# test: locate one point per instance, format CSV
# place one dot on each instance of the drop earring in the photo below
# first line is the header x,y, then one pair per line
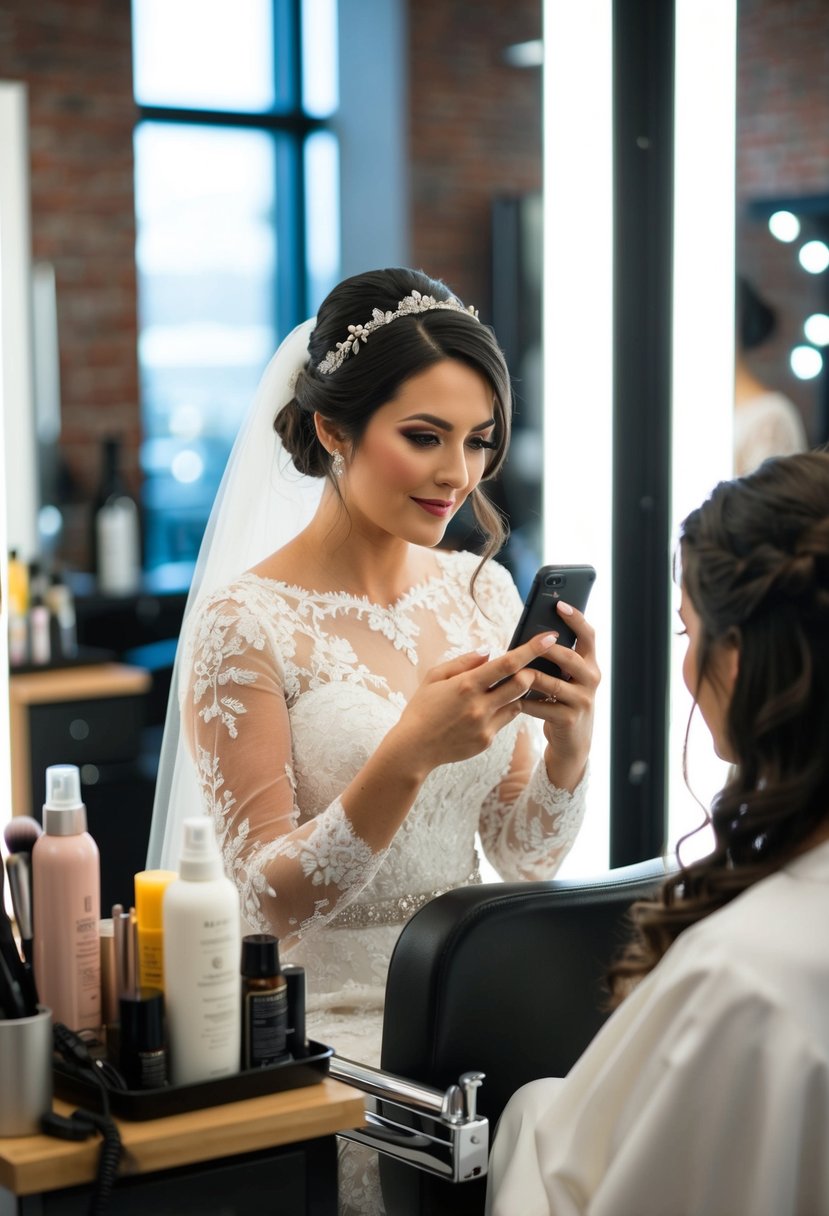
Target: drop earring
x,y
337,463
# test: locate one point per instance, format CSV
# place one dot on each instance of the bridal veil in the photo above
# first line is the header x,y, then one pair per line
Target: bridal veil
x,y
261,504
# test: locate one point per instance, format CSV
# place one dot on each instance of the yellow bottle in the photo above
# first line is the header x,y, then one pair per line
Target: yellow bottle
x,y
150,886
18,585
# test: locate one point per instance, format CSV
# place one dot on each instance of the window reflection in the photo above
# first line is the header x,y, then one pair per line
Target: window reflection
x,y
204,54
207,260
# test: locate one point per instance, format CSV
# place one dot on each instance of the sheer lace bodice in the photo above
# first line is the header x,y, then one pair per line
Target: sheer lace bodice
x,y
287,693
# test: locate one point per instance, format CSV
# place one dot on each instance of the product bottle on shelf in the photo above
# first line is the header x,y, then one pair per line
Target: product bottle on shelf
x,y
40,641
61,604
38,578
264,1002
66,881
18,582
150,886
202,942
18,574
116,547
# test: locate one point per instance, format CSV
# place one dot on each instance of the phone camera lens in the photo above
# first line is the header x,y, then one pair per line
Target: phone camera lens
x,y
553,580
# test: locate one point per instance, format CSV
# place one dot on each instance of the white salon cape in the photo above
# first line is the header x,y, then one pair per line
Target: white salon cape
x,y
707,1091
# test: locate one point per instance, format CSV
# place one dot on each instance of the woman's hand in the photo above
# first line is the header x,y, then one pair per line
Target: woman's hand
x,y
567,711
461,705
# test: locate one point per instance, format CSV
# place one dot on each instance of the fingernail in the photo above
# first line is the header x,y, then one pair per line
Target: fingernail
x,y
565,608
549,639
484,650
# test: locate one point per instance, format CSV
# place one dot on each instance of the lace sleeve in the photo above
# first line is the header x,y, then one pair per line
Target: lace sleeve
x,y
527,825
291,876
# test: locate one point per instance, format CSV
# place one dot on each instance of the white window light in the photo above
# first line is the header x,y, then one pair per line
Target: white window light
x,y
187,466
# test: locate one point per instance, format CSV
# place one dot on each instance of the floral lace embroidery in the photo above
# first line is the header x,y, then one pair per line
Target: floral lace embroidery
x,y
333,855
346,669
538,842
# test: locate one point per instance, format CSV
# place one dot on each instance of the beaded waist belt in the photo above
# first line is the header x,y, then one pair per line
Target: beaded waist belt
x,y
395,911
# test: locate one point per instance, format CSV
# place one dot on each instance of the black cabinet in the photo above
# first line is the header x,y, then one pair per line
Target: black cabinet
x,y
93,717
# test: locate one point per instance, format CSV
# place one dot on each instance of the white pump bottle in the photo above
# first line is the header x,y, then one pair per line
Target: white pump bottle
x,y
202,949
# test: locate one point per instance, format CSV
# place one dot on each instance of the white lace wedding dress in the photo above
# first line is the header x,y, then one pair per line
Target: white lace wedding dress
x,y
287,692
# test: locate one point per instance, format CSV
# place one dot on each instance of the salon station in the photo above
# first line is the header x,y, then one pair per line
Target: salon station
x,y
374,379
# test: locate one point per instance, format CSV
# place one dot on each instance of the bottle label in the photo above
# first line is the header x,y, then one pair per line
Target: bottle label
x,y
152,1067
88,955
265,1027
151,959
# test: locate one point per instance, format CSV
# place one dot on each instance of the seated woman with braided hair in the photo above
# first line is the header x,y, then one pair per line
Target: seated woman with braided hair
x,y
707,1091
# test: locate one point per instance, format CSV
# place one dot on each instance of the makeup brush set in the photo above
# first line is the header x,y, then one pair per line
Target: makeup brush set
x,y
18,993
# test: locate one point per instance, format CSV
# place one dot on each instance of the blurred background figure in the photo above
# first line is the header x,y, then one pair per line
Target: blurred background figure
x,y
766,422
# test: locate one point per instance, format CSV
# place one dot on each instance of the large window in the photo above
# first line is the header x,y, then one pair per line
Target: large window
x,y
237,221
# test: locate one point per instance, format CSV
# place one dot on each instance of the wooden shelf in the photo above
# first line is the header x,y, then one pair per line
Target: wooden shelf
x,y
33,1164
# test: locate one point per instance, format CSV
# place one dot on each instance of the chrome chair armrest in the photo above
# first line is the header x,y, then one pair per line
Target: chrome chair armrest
x,y
438,1131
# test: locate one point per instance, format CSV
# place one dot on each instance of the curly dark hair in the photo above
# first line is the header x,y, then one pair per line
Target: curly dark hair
x,y
755,565
393,354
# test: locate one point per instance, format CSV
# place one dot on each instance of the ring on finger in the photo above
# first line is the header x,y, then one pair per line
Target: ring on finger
x,y
552,700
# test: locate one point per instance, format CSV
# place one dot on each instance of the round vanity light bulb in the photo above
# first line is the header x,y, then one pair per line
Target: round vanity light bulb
x,y
806,362
816,329
784,225
814,256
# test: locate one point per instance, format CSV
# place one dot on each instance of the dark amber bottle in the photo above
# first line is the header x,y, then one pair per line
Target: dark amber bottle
x,y
264,1002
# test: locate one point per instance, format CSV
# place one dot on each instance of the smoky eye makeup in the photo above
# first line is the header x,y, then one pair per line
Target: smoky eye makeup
x,y
421,439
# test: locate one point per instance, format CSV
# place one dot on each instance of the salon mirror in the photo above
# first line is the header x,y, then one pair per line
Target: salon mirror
x,y
466,147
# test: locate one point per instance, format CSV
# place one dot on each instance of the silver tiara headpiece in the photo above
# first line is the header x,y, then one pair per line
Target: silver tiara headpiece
x,y
359,333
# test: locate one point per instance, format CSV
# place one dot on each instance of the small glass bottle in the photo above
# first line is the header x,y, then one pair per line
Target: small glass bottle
x,y
264,1002
116,551
143,1057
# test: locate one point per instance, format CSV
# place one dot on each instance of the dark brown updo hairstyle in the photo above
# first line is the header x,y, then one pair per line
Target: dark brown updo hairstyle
x,y
350,395
755,565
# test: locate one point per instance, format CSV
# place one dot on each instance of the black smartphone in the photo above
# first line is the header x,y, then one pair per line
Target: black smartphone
x,y
572,584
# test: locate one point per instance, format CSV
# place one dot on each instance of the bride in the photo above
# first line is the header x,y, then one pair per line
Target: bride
x,y
348,714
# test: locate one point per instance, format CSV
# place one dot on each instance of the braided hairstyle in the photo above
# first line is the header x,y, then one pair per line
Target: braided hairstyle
x,y
755,565
350,395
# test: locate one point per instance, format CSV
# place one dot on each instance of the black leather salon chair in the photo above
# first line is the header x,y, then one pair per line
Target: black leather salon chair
x,y
506,979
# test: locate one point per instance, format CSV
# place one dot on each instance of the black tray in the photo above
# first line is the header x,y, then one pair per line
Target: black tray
x,y
177,1099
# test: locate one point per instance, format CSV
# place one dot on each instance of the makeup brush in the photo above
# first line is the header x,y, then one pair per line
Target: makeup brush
x,y
16,994
20,836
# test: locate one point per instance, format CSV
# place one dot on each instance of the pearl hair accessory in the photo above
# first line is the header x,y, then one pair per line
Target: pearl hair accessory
x,y
408,306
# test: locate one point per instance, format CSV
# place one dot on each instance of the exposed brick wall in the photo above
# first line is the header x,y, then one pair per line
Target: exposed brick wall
x,y
782,151
475,134
75,58
475,131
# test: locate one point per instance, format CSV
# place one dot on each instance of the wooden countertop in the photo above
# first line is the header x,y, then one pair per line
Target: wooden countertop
x,y
77,683
32,1164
